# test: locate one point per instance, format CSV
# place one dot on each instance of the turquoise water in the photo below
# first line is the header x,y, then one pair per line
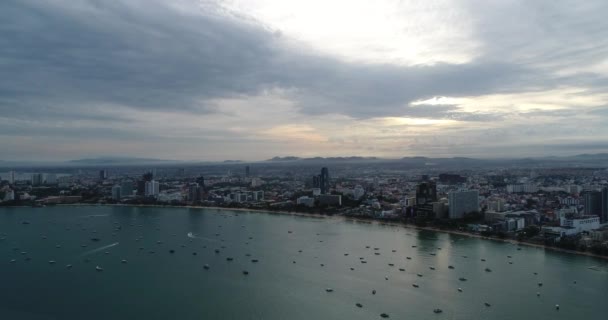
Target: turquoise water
x,y
157,284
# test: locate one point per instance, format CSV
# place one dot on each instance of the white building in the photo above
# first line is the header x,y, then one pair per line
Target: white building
x,y
316,192
584,223
307,201
358,192
9,195
152,188
462,202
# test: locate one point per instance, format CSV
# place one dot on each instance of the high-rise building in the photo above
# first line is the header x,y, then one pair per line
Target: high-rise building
x,y
201,183
324,180
426,192
247,171
126,189
103,174
194,192
11,177
592,200
116,192
36,179
50,178
152,188
463,202
604,213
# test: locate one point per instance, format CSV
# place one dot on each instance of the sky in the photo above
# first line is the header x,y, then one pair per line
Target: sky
x,y
250,80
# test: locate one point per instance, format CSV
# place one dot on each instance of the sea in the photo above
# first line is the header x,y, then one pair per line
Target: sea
x,y
119,262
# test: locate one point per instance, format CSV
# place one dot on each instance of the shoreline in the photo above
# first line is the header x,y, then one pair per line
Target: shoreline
x,y
344,218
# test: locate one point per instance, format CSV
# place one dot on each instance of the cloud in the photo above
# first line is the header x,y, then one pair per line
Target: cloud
x,y
218,74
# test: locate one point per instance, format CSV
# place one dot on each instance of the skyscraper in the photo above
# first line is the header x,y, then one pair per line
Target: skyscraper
x,y
593,202
324,180
247,171
604,213
152,188
201,183
11,177
463,202
126,189
116,192
36,179
426,192
194,192
50,178
103,174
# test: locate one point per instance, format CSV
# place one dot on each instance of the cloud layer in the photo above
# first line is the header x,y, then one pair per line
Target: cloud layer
x,y
213,80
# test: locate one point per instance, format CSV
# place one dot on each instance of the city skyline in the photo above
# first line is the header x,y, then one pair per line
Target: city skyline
x,y
216,80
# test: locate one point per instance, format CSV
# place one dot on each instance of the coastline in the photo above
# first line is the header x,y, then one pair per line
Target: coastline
x,y
344,218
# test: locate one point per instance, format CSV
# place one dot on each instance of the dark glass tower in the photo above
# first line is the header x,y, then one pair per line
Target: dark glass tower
x,y
324,181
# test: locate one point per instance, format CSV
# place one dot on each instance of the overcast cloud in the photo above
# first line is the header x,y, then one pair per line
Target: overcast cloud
x,y
212,80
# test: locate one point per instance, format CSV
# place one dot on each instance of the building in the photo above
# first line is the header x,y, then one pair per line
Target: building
x,y
247,171
330,200
194,192
358,192
50,178
9,195
497,205
581,224
152,188
604,211
306,201
36,179
324,181
426,192
201,183
126,189
11,177
116,192
463,202
103,174
522,188
592,201
257,195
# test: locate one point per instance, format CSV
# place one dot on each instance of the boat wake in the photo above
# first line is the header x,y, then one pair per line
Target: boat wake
x,y
96,215
99,249
193,236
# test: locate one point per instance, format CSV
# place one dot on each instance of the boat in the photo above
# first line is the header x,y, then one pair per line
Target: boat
x,y
433,254
483,260
459,289
415,285
437,310
373,291
538,294
450,267
171,251
540,284
432,268
359,305
254,260
229,259
206,267
557,306
245,272
487,304
401,269
391,264
329,290
124,261
51,261
418,274
98,268
488,270
68,266
384,315
462,279
408,258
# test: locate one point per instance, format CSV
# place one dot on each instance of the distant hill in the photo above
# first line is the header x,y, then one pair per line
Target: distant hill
x,y
117,161
327,159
